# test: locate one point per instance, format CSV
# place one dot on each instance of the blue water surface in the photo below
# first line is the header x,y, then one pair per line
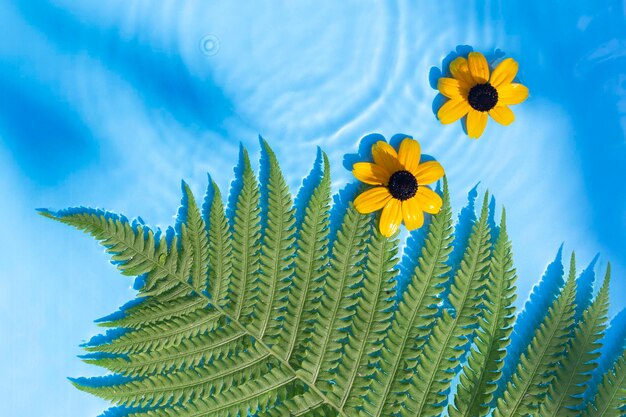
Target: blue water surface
x,y
111,104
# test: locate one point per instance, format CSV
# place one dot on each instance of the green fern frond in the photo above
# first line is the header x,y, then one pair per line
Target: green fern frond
x,y
257,395
261,315
134,249
195,238
186,384
529,385
610,401
445,346
220,250
575,371
187,354
246,245
277,252
414,318
368,326
162,334
156,309
310,271
486,359
341,293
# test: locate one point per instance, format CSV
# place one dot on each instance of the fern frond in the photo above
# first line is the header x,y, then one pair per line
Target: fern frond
x,y
162,334
246,245
311,259
307,404
256,395
276,254
537,367
415,316
610,401
189,353
288,324
451,334
220,250
195,237
613,344
341,292
156,309
185,342
532,315
368,326
575,371
185,385
484,365
134,248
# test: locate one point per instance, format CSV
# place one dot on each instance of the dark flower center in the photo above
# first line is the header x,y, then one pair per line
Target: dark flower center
x,y
483,97
402,185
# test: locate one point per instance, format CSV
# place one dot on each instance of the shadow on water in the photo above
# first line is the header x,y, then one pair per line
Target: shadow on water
x,y
309,184
364,152
161,78
121,411
47,138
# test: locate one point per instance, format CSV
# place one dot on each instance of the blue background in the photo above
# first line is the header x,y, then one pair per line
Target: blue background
x,y
110,104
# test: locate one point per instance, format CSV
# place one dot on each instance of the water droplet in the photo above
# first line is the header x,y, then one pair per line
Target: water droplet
x,y
209,45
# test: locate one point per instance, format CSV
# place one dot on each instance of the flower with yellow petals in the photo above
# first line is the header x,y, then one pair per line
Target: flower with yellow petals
x,y
400,186
476,93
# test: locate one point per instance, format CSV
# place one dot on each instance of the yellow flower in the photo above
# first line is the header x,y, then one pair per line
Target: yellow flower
x,y
400,182
473,92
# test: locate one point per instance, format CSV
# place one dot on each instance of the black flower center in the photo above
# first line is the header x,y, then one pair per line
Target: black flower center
x,y
402,185
483,97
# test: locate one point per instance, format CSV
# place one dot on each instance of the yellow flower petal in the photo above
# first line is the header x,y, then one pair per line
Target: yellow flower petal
x,y
369,173
371,200
409,154
453,110
412,214
478,66
386,156
512,93
390,218
476,123
428,200
502,114
504,72
428,172
452,88
460,70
